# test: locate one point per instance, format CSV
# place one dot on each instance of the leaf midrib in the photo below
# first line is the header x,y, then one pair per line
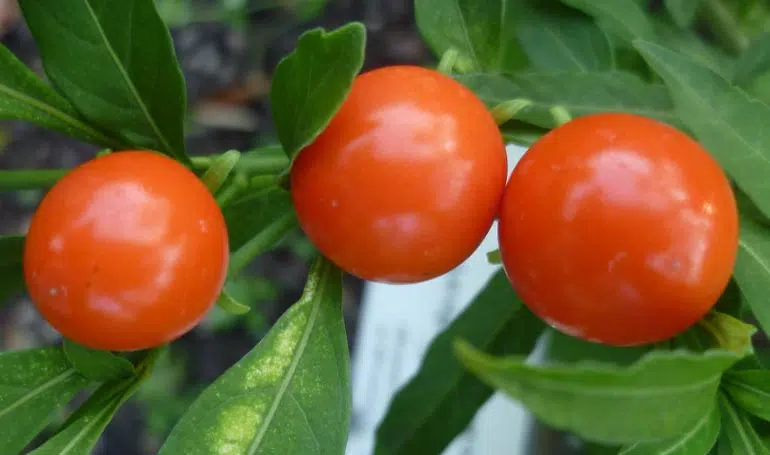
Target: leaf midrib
x,y
298,353
129,83
37,391
631,391
679,442
54,112
714,114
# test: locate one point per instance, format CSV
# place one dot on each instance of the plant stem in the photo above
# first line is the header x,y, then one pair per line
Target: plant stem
x,y
725,26
263,241
30,179
249,163
448,61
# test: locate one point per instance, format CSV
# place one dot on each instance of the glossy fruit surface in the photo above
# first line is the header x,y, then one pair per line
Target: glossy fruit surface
x,y
618,229
406,180
127,251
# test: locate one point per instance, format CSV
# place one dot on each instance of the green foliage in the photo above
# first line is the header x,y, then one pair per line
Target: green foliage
x,y
312,82
121,75
25,97
478,30
595,399
34,384
97,365
580,93
84,427
261,404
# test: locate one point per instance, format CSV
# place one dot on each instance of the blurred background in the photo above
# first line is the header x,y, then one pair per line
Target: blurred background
x,y
228,50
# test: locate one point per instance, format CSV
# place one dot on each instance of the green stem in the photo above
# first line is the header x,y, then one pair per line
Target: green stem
x,y
448,61
508,110
560,115
30,179
725,26
249,163
261,242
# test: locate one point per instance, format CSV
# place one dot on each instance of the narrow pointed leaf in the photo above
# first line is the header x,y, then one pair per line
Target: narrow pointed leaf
x,y
82,430
126,79
725,119
752,268
24,96
740,436
699,439
11,271
750,390
482,32
289,395
442,399
626,18
34,384
564,41
606,403
311,83
97,365
578,93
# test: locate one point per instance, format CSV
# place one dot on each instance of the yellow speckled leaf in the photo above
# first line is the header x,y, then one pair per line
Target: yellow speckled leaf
x,y
289,395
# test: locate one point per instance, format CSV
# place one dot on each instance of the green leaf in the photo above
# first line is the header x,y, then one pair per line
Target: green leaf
x,y
725,120
84,427
754,61
441,400
731,334
253,213
480,31
289,395
682,11
220,169
625,18
97,365
699,439
562,348
740,435
11,269
24,96
559,40
34,384
752,268
750,390
688,42
606,403
114,61
256,223
578,93
311,83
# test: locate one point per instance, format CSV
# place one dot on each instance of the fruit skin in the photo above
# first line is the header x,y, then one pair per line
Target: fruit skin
x,y
405,182
128,251
618,229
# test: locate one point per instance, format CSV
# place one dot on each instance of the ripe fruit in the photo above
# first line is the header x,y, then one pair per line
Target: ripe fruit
x,y
618,229
406,180
126,252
